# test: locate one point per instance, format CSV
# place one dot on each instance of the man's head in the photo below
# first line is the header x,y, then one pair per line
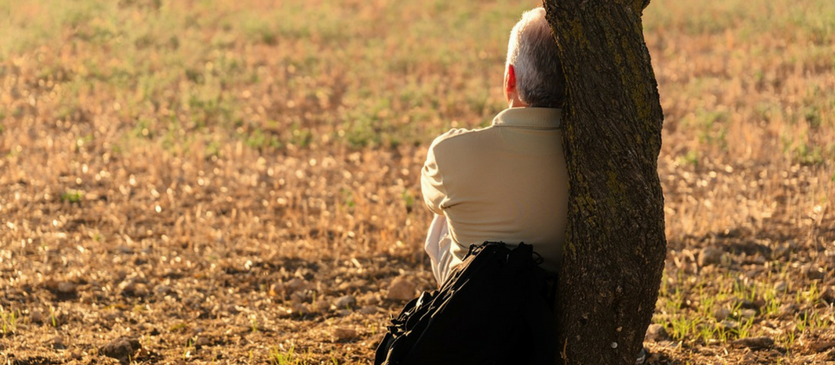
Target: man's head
x,y
533,74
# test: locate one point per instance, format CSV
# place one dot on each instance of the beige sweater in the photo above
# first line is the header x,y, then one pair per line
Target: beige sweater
x,y
506,182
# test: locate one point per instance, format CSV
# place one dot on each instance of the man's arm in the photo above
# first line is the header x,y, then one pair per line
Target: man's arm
x,y
432,183
441,162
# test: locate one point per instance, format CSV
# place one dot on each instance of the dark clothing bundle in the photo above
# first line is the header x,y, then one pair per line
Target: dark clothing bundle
x,y
495,308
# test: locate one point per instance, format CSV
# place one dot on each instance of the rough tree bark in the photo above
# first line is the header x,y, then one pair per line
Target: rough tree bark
x,y
615,245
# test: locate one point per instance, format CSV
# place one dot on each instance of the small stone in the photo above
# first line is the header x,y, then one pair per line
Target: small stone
x,y
728,325
121,348
114,316
721,314
710,256
746,304
323,304
127,287
370,299
754,343
162,289
202,341
66,287
747,313
343,334
140,290
57,318
73,355
784,250
656,333
813,272
276,289
298,297
346,301
822,345
232,309
296,285
302,308
828,295
401,289
788,309
35,316
781,286
57,343
369,309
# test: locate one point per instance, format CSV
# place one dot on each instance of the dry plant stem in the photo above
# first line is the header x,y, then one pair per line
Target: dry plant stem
x,y
615,248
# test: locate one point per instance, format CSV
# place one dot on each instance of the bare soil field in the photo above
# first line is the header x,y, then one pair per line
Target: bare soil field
x,y
236,182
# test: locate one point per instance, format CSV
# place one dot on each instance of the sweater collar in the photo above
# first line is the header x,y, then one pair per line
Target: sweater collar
x,y
538,118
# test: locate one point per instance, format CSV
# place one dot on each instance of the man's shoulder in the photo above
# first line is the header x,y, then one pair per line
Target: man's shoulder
x,y
459,136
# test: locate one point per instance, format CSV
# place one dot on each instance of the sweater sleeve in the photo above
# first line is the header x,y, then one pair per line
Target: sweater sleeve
x,y
437,174
432,183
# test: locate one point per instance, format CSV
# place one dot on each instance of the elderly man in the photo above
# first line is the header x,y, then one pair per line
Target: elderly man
x,y
507,182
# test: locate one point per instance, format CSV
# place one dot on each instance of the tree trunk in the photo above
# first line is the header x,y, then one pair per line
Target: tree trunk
x,y
615,244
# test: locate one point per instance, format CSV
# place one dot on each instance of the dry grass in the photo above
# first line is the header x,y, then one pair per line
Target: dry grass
x,y
167,169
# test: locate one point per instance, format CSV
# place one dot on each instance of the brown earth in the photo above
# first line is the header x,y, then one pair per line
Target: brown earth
x,y
224,194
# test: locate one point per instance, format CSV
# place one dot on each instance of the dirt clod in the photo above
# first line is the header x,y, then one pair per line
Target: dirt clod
x,y
747,313
754,343
202,340
296,285
780,286
73,355
302,308
710,256
821,345
60,287
729,325
36,316
828,295
721,313
813,272
133,289
369,309
656,333
344,334
323,304
346,301
66,287
57,343
162,289
401,289
788,309
121,348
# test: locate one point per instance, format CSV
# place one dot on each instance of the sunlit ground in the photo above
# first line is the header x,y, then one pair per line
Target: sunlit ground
x,y
237,181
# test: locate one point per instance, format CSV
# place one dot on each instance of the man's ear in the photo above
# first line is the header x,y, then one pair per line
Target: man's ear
x,y
510,80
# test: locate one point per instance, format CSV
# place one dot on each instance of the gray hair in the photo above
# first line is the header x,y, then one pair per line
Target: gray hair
x,y
534,55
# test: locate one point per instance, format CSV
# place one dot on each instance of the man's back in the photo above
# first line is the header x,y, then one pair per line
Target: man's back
x,y
507,182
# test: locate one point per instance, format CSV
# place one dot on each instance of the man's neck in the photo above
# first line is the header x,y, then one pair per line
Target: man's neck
x,y
516,103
